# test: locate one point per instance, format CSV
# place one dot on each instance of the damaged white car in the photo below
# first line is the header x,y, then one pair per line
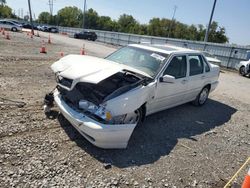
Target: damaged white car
x,y
104,99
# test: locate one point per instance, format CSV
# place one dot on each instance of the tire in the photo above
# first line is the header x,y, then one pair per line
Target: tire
x,y
202,97
14,29
135,117
140,117
242,71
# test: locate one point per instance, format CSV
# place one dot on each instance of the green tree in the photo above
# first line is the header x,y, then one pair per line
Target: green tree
x,y
5,11
127,23
217,34
3,2
91,19
69,16
44,17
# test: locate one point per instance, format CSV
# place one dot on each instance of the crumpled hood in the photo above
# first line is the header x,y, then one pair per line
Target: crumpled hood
x,y
85,68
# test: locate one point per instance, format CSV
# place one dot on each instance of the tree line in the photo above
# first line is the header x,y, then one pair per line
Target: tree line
x,y
162,27
72,16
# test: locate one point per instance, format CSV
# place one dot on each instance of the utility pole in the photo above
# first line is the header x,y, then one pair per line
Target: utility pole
x,y
51,6
170,27
210,21
83,18
31,21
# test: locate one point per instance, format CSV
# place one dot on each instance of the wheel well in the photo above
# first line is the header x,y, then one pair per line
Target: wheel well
x,y
208,86
143,107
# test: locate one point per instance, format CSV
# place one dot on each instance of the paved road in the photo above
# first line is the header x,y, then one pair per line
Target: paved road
x,y
92,48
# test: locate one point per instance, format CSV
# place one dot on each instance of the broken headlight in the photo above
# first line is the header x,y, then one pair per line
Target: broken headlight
x,y
97,110
88,106
103,113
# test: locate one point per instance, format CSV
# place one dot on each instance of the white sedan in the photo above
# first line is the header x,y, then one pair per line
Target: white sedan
x,y
10,25
105,99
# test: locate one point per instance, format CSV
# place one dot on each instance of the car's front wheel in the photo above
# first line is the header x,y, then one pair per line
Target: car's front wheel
x,y
202,97
134,117
242,71
14,29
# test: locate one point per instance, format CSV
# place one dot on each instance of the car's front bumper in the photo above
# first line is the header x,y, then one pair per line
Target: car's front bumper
x,y
101,135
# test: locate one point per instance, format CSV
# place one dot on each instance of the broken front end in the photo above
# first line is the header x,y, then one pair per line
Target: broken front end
x,y
87,106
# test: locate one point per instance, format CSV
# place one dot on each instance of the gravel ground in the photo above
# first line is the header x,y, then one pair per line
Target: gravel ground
x,y
181,147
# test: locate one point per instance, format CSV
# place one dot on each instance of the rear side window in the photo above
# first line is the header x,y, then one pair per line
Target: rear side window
x,y
177,67
196,65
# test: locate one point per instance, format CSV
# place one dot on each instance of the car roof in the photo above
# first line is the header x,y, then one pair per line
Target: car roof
x,y
164,48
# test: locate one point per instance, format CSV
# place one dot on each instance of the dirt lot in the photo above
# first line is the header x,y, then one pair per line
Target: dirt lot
x,y
181,147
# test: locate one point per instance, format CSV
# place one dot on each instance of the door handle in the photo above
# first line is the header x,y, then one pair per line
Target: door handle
x,y
202,77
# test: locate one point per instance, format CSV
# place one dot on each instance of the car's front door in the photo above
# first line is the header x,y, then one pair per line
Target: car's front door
x,y
171,94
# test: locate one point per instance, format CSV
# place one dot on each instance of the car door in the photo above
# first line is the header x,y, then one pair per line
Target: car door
x,y
196,75
171,94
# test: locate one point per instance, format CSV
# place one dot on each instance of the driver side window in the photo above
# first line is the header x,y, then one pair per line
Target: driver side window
x,y
177,67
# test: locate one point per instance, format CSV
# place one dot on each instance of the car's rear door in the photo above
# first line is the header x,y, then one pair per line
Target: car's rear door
x,y
196,75
171,94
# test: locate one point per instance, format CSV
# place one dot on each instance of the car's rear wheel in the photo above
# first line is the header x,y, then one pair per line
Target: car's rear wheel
x,y
242,71
202,97
14,29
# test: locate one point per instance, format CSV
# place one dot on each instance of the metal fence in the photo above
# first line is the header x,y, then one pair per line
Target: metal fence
x,y
229,55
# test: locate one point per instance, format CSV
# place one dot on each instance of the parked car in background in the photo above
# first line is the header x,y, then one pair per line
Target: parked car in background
x,y
6,24
28,26
86,35
244,66
52,30
39,27
105,99
212,58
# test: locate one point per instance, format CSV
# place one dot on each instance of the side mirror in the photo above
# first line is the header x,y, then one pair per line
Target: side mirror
x,y
167,79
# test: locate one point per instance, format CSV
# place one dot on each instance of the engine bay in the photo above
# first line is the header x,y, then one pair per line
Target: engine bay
x,y
109,88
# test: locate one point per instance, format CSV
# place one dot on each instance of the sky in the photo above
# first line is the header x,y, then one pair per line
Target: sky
x,y
232,14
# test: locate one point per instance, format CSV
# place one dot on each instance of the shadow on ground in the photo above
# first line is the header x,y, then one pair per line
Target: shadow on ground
x,y
159,133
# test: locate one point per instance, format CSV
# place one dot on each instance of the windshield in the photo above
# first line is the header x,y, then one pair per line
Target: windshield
x,y
144,60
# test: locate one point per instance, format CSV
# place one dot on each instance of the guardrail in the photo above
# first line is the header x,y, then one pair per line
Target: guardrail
x,y
229,55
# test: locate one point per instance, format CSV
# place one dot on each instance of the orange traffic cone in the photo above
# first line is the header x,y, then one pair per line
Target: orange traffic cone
x,y
7,36
3,32
43,49
82,52
49,40
246,183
